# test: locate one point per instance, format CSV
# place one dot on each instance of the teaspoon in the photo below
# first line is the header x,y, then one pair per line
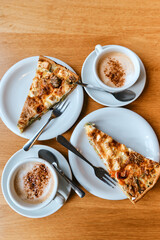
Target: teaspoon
x,y
51,158
124,96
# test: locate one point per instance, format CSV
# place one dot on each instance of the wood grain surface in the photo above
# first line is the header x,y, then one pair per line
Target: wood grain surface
x,y
69,30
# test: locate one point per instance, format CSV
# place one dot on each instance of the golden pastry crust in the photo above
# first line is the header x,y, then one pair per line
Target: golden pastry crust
x,y
51,83
135,174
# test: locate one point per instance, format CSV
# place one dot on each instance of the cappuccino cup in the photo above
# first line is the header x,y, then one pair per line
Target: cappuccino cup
x,y
33,183
116,68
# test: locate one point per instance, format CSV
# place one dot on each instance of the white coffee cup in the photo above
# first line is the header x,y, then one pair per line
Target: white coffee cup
x,y
29,206
100,52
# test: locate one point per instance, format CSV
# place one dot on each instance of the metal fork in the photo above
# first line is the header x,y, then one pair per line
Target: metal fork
x,y
57,110
101,173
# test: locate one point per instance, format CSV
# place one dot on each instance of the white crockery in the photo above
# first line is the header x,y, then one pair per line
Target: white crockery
x,y
105,98
100,52
124,126
29,206
64,188
14,88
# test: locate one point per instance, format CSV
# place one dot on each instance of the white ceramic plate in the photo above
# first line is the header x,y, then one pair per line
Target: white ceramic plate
x,y
14,89
106,99
124,126
64,188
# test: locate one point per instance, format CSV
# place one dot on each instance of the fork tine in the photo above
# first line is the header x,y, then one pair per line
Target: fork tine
x,y
105,173
108,175
105,181
59,104
62,103
64,106
109,179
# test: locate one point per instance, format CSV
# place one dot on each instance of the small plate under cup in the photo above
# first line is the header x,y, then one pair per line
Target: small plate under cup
x,y
64,188
103,98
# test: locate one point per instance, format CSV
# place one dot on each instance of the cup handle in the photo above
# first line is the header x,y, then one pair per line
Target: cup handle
x,y
60,198
98,49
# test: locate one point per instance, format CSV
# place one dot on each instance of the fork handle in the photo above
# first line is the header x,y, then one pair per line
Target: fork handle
x,y
63,141
30,143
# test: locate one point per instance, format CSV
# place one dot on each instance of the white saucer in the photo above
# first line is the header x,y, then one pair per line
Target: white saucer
x,y
14,88
124,126
64,188
107,99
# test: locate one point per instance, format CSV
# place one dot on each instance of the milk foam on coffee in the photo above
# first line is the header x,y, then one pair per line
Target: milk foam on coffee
x,y
33,182
115,69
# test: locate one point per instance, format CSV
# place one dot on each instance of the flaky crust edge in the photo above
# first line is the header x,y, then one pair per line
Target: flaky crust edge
x,y
42,58
141,195
149,188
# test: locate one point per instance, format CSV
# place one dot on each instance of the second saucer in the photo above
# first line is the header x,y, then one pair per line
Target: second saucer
x,y
107,99
64,188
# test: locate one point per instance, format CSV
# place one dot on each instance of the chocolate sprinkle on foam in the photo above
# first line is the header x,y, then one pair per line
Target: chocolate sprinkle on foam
x,y
36,180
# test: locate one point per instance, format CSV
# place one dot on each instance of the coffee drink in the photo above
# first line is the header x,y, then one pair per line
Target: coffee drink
x,y
115,69
33,182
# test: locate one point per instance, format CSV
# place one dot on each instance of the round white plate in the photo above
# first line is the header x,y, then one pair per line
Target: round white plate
x,y
124,126
64,188
14,89
107,99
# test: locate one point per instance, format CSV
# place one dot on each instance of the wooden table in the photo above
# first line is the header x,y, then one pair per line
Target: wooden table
x,y
69,30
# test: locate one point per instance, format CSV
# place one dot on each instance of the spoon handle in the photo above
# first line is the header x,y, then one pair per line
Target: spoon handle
x,y
73,185
91,87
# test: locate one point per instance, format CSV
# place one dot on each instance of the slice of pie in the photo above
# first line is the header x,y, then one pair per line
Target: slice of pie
x,y
51,83
134,173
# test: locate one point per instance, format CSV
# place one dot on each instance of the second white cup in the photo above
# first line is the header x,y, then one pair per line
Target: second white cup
x,y
101,52
53,188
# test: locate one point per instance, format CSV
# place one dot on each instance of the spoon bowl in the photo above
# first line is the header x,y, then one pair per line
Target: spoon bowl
x,y
126,95
52,159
